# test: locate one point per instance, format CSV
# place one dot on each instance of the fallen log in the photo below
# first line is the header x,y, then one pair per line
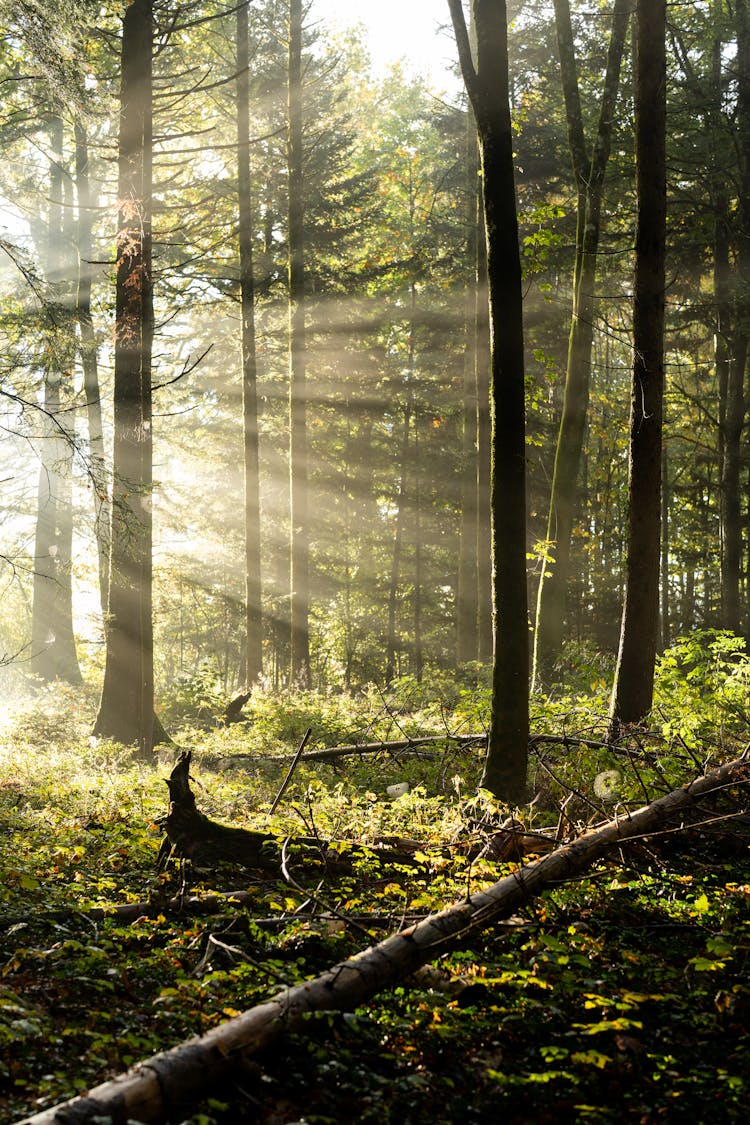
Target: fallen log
x,y
397,748
161,1086
191,835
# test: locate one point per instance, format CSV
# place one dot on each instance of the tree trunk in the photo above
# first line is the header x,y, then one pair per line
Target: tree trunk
x,y
168,1085
488,87
734,417
666,624
392,637
53,651
467,605
102,506
418,576
589,175
484,443
253,613
298,453
634,675
126,711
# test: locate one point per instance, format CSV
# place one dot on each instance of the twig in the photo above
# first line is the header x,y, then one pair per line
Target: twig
x,y
313,897
290,771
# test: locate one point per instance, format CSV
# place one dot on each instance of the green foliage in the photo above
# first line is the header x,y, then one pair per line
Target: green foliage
x,y
199,698
703,684
619,998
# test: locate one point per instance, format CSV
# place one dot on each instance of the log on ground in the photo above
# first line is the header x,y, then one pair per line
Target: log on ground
x,y
191,835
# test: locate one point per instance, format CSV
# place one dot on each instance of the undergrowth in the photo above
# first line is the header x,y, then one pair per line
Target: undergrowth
x,y
621,997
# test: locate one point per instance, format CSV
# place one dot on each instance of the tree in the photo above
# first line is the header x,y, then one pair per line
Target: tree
x,y
298,456
253,614
126,710
89,361
487,85
735,362
589,167
634,675
53,652
467,593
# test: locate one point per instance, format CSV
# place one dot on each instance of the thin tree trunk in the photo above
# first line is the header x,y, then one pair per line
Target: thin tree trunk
x,y
253,613
484,446
666,625
391,640
634,675
53,651
589,175
488,87
734,418
467,605
418,653
126,711
298,453
89,363
731,510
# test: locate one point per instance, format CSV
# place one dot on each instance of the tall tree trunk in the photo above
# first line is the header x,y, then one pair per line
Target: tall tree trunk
x,y
487,84
589,174
484,447
126,710
89,363
666,625
734,414
253,612
392,640
298,455
634,676
467,605
53,651
418,580
731,510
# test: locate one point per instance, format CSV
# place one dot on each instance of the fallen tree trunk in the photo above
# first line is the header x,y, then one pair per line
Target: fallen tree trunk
x,y
191,835
161,1086
399,747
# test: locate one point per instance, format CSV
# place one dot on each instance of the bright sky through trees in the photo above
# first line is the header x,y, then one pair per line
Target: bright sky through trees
x,y
415,30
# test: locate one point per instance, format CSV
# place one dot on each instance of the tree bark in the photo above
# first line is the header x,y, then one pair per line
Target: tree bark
x,y
634,676
126,711
253,612
467,594
53,650
589,172
736,360
487,85
298,452
167,1084
392,638
102,506
484,443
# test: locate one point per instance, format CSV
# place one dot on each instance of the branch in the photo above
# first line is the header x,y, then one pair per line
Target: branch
x,y
464,48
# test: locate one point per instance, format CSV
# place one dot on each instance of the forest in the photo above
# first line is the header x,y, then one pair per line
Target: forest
x,y
375,567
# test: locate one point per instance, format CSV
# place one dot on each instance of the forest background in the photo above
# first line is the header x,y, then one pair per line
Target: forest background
x,y
366,265
398,575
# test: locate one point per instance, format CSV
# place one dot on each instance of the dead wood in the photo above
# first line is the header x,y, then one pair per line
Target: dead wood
x,y
399,748
193,836
233,709
155,1089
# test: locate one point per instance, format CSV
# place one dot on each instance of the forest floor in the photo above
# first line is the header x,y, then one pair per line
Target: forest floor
x,y
623,996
